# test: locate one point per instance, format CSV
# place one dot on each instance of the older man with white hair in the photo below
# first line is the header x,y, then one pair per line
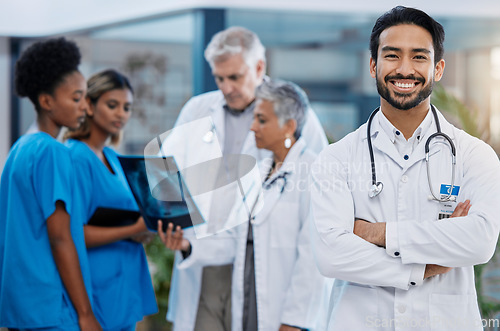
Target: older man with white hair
x,y
200,296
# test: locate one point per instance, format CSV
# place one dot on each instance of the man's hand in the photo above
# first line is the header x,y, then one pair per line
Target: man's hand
x,y
173,240
371,232
462,209
433,270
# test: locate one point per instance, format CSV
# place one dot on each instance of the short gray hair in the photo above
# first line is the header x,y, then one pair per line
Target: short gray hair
x,y
289,101
232,41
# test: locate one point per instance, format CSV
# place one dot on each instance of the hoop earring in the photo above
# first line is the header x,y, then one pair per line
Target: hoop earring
x,y
288,142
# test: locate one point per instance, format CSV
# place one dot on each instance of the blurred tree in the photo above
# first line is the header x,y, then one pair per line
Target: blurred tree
x,y
450,104
162,261
487,275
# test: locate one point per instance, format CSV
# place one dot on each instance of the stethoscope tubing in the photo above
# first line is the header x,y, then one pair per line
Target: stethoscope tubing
x,y
378,186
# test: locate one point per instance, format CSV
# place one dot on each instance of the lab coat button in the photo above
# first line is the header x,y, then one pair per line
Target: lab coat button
x,y
404,179
396,253
406,157
413,283
402,309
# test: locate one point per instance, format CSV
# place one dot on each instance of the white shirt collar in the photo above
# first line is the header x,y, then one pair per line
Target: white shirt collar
x,y
395,135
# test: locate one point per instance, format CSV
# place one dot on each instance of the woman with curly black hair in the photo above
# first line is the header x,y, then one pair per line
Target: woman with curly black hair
x,y
43,264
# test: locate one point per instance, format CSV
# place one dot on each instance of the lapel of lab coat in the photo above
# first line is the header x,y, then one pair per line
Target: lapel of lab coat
x,y
274,194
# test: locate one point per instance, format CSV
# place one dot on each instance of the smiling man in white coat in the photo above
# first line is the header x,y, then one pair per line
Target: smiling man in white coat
x,y
200,296
405,263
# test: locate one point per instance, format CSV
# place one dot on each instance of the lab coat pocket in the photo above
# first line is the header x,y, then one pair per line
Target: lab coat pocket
x,y
454,312
350,299
284,224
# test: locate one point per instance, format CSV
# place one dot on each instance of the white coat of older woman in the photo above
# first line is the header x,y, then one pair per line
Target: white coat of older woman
x,y
276,285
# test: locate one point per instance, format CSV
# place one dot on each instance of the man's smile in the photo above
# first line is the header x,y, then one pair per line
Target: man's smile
x,y
404,85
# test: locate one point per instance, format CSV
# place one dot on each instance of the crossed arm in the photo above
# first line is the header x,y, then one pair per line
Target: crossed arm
x,y
375,233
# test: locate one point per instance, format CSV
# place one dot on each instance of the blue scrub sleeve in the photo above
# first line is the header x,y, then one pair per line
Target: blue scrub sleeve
x,y
53,178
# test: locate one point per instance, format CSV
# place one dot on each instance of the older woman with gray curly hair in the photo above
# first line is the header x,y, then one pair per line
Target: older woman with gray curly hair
x,y
282,286
275,282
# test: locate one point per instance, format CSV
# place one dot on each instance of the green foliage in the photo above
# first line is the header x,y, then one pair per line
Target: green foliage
x,y
163,260
447,102
450,104
488,309
330,139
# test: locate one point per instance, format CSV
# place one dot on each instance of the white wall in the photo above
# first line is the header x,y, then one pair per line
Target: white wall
x,y
4,100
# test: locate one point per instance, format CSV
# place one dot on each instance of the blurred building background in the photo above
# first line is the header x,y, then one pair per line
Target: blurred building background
x,y
321,45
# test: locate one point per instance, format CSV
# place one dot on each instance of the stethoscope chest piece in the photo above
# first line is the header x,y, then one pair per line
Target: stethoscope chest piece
x,y
375,189
209,136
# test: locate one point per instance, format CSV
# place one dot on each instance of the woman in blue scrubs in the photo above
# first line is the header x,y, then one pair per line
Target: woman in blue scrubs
x,y
122,288
44,272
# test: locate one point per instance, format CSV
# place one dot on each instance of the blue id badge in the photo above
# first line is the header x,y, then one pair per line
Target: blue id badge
x,y
447,208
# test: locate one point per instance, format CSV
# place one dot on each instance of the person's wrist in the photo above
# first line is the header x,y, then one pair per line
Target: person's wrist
x,y
84,312
140,226
378,236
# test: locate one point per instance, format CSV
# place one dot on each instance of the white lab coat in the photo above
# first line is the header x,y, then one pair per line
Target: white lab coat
x,y
373,288
186,283
288,284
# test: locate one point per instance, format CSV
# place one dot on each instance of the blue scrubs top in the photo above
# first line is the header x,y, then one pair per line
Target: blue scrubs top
x,y
38,173
122,288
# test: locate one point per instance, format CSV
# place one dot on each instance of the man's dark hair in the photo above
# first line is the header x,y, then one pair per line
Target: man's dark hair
x,y
404,15
43,66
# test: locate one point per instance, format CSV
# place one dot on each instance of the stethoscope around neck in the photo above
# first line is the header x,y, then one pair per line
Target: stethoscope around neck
x,y
377,187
